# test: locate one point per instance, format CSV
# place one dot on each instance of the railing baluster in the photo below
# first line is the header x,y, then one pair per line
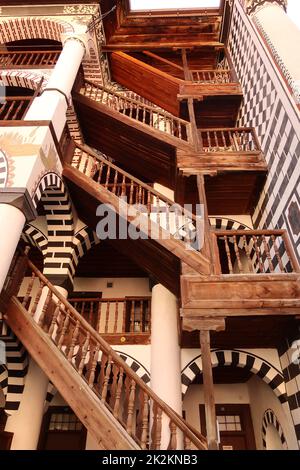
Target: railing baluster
x,y
130,408
280,263
228,254
116,409
74,340
268,254
42,317
92,372
107,316
173,436
132,316
106,379
144,410
116,317
84,352
247,253
29,290
237,254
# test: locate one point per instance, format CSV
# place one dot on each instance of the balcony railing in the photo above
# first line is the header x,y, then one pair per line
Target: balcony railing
x,y
151,116
14,108
28,59
214,76
115,316
238,140
254,252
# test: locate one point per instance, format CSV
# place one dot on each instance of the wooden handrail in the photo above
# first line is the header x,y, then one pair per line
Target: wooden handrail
x,y
153,117
155,109
68,312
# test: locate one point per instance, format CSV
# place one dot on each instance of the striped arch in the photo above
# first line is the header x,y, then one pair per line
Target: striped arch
x,y
136,366
223,223
35,237
16,367
43,27
83,241
237,358
3,169
271,419
58,208
23,78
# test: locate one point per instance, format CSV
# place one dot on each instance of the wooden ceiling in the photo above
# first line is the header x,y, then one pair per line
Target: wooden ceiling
x,y
128,30
228,193
247,332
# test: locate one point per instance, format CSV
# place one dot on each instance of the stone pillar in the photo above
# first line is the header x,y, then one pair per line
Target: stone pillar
x,y
26,422
54,100
12,222
282,36
165,354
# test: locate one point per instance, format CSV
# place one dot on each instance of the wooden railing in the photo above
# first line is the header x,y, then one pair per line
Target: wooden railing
x,y
137,408
151,116
254,251
172,217
214,76
236,139
14,107
28,59
115,315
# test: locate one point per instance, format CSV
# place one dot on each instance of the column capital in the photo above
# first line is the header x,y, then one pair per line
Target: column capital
x,y
19,198
252,6
82,38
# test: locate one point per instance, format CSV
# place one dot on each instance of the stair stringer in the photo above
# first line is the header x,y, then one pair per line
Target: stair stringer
x,y
104,428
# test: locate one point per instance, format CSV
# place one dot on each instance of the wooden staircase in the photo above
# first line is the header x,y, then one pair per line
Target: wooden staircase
x,y
176,233
111,401
143,137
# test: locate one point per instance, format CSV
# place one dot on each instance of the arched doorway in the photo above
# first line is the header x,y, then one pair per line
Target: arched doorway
x,y
244,385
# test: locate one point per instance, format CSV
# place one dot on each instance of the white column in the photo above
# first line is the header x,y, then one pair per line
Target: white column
x,y
282,36
12,221
165,353
52,104
26,422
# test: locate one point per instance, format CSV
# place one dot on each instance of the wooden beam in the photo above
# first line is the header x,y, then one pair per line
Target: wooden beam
x,y
205,323
209,396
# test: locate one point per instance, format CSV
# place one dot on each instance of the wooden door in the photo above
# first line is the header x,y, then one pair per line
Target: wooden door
x,y
235,425
62,430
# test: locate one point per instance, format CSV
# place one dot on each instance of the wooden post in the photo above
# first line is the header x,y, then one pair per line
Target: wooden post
x,y
209,397
207,246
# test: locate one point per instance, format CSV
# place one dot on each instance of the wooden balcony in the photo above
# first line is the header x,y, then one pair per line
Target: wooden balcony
x,y
39,59
223,149
169,79
255,273
118,320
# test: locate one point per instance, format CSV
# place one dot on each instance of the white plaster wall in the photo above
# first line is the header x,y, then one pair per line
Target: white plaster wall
x,y
263,398
121,286
284,35
224,393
